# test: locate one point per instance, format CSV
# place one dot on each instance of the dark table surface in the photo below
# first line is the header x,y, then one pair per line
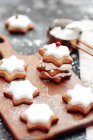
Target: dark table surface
x,y
42,12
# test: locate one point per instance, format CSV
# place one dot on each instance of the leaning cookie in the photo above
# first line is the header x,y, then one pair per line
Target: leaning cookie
x,y
52,69
21,92
51,72
51,66
57,78
39,116
79,99
56,53
12,68
19,24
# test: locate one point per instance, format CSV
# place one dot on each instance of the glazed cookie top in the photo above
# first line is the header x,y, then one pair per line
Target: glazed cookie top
x,y
12,64
65,34
43,110
21,89
80,95
19,21
56,51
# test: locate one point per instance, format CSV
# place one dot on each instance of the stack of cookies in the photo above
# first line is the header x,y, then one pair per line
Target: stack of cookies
x,y
55,63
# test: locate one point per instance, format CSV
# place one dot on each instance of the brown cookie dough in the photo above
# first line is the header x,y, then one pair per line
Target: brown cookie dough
x,y
57,78
51,72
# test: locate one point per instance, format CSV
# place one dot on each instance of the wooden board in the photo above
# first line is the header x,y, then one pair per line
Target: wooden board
x,y
50,94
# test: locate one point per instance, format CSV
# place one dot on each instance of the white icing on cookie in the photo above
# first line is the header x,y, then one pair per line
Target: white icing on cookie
x,y
57,75
19,21
80,95
21,89
38,113
12,64
83,25
65,34
57,52
50,66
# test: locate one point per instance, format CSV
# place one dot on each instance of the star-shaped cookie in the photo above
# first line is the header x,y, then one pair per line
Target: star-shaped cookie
x,y
12,68
57,78
21,92
19,23
39,116
79,99
52,70
56,54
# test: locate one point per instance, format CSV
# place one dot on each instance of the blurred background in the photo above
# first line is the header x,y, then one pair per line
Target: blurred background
x,y
42,12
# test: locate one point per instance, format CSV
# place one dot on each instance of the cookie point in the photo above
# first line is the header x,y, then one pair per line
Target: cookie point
x,y
58,44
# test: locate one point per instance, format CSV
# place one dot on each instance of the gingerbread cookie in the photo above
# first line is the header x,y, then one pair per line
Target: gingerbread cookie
x,y
51,66
21,92
79,99
12,68
52,70
56,62
56,53
39,116
57,78
19,23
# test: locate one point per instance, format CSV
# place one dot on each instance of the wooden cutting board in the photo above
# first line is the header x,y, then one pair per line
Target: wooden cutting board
x,y
50,94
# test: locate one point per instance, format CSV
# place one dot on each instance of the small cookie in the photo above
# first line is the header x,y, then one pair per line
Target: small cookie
x,y
19,23
56,53
50,66
21,92
12,68
39,116
57,78
79,99
51,72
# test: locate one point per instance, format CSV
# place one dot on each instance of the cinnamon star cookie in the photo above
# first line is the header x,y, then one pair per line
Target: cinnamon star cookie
x,y
56,53
19,23
79,99
21,92
12,68
39,116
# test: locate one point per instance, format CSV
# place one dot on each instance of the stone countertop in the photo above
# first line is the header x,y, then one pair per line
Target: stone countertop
x,y
42,12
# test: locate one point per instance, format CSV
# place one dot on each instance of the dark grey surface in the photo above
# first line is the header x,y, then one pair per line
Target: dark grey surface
x,y
42,13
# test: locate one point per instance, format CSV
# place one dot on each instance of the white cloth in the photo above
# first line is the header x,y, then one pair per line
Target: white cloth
x,y
86,71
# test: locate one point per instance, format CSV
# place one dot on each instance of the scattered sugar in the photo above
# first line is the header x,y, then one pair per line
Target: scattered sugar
x,y
37,42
